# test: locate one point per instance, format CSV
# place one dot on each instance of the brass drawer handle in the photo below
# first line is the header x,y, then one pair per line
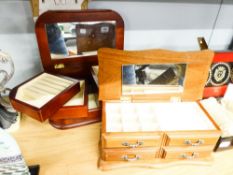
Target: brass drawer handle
x,y
59,66
138,143
193,156
126,158
197,143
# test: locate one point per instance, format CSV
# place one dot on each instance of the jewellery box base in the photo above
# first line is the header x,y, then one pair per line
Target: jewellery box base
x,y
157,163
93,117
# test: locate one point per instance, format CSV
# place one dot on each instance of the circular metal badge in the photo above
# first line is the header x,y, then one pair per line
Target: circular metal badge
x,y
220,73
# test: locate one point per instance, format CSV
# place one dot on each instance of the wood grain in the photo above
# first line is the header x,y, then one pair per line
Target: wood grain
x,y
76,66
47,110
115,140
110,74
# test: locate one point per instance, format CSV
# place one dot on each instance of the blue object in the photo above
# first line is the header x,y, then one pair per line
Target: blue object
x,y
56,41
129,75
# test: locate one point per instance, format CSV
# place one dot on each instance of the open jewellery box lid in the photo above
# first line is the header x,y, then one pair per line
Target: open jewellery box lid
x,y
84,32
158,75
43,95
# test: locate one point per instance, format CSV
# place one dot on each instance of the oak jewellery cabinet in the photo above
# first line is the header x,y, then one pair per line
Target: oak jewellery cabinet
x,y
150,110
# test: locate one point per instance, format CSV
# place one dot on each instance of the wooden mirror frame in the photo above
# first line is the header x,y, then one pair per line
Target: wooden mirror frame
x,y
75,66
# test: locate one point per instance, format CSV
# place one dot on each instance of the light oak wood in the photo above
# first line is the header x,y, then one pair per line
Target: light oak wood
x,y
75,151
190,153
110,74
187,138
156,163
127,140
125,154
197,138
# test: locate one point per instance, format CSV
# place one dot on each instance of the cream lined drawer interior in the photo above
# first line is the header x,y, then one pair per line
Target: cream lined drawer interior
x,y
130,154
151,116
131,140
42,89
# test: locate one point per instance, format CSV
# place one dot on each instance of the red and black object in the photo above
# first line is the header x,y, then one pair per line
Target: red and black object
x,y
220,73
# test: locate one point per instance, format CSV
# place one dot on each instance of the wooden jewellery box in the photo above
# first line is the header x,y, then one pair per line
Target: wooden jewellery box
x,y
58,33
43,95
151,115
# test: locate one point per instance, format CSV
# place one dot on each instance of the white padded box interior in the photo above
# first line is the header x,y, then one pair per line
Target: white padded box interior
x,y
136,117
221,115
93,102
42,89
77,99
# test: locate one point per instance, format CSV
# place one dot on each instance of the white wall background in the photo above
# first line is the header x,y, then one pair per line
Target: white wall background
x,y
18,39
168,24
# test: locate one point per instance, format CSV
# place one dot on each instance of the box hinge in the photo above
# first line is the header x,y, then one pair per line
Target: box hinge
x,y
126,99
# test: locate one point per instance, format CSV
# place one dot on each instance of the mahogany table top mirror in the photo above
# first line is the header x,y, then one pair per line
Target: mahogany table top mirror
x,y
68,42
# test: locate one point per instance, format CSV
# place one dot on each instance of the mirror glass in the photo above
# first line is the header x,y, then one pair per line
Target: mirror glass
x,y
80,38
153,78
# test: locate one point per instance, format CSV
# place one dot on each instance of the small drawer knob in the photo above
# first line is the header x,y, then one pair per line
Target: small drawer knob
x,y
130,158
137,144
197,143
192,156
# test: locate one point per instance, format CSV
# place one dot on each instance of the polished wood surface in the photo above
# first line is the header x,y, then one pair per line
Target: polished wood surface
x,y
198,138
187,153
133,139
73,111
75,151
49,108
110,74
76,66
136,154
93,116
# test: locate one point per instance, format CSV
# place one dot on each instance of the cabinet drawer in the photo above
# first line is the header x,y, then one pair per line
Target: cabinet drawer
x,y
187,154
135,154
192,139
131,140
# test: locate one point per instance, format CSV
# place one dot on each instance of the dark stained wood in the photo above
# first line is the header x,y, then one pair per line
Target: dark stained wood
x,y
48,109
73,112
67,123
75,66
